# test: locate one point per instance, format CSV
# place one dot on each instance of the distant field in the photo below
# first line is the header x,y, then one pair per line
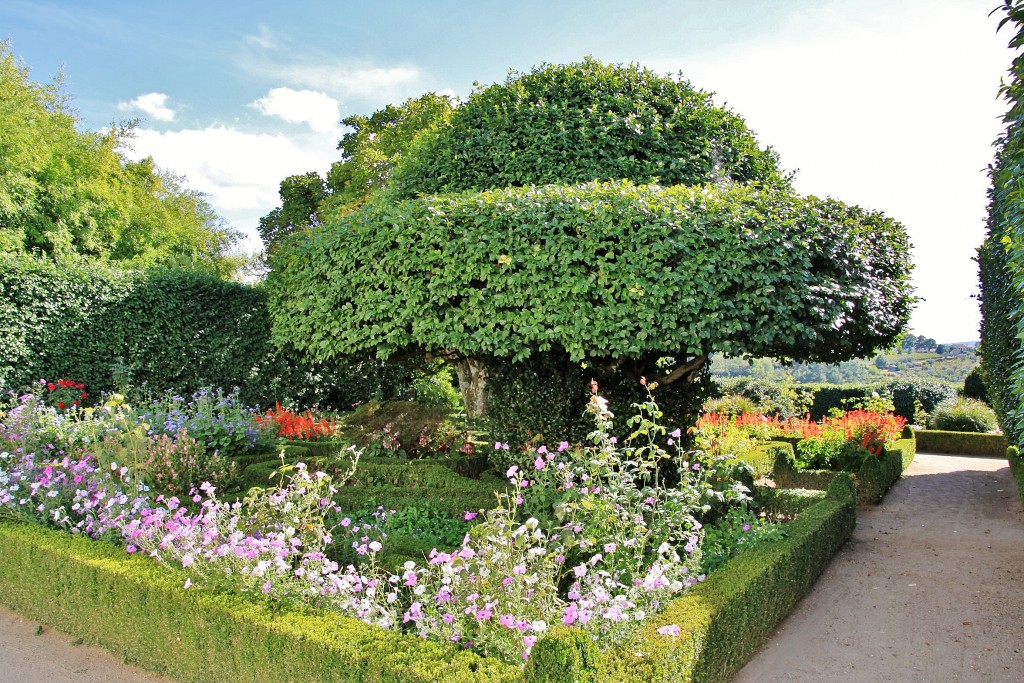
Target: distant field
x,y
950,366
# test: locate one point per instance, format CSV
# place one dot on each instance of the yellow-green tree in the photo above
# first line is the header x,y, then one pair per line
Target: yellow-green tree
x,y
65,191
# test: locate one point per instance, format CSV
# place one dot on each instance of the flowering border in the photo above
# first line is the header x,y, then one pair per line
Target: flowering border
x,y
136,608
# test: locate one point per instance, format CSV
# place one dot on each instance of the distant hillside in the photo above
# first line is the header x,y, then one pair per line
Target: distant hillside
x,y
951,364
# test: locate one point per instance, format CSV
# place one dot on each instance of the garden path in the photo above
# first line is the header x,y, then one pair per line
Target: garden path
x,y
931,588
30,653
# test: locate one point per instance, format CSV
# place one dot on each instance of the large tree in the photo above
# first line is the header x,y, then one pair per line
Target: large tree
x,y
71,192
690,242
369,152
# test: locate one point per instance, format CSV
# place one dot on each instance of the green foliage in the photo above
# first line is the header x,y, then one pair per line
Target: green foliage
x,y
75,584
778,398
1001,256
961,443
930,393
435,389
724,620
375,145
369,152
164,328
591,269
1016,468
576,123
963,415
730,405
301,196
974,385
67,192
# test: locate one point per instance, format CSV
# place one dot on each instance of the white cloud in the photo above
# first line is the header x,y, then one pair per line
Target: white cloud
x,y
154,104
318,110
893,108
375,84
265,39
240,172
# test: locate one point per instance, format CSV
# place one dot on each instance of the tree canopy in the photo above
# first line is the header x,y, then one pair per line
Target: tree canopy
x,y
369,153
71,192
600,213
575,123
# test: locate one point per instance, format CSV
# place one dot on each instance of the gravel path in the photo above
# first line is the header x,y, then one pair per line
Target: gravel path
x,y
30,653
931,589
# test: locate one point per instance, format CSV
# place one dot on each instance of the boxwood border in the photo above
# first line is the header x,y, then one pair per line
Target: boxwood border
x,y
139,610
961,443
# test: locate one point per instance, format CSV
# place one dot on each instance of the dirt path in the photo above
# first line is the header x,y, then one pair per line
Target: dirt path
x,y
931,589
33,654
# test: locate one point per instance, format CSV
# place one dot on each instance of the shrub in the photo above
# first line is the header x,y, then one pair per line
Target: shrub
x,y
407,429
974,385
963,415
906,392
780,399
730,405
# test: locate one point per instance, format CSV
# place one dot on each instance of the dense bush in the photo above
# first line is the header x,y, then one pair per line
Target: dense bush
x,y
963,415
575,123
974,385
168,329
906,393
1001,257
663,202
780,399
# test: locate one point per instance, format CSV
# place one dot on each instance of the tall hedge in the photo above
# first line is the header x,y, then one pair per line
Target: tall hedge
x,y
1001,257
165,328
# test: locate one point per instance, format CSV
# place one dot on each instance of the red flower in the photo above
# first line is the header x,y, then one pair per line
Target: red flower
x,y
85,395
51,386
60,404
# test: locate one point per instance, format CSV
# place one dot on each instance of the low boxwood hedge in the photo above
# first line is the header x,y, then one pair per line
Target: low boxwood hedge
x,y
721,621
875,476
961,443
138,609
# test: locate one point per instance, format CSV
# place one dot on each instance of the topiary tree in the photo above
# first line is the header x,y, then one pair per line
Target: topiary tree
x,y
632,278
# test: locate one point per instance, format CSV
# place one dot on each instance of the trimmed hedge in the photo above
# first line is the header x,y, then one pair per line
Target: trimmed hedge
x,y
1017,468
875,476
961,443
397,483
723,620
169,329
137,609
904,393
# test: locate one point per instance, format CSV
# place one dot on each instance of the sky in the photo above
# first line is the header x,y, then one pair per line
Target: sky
x,y
889,104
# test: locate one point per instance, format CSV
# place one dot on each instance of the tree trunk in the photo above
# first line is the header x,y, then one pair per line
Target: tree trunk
x,y
472,375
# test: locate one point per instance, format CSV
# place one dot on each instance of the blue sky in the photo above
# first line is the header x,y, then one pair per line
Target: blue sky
x,y
891,104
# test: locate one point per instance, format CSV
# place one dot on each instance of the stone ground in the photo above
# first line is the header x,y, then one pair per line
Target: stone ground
x,y
931,589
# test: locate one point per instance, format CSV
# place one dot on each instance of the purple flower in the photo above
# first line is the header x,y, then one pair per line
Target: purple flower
x,y
670,630
470,515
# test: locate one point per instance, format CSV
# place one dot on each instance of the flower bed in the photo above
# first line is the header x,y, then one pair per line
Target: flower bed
x,y
806,454
137,609
600,538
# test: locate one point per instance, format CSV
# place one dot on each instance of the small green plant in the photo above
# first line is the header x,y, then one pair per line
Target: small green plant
x,y
730,405
963,415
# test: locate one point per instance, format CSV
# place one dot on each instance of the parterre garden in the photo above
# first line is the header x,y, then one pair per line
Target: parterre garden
x,y
282,481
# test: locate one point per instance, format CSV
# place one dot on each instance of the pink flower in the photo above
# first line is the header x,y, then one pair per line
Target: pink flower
x,y
539,463
670,630
470,515
564,446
